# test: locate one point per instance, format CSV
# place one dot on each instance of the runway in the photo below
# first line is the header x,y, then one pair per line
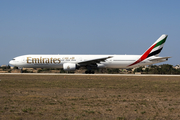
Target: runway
x,y
158,75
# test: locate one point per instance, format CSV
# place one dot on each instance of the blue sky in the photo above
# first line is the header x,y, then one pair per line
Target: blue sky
x,y
88,27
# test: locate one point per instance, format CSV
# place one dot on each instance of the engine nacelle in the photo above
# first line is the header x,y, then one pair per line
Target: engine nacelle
x,y
100,65
69,66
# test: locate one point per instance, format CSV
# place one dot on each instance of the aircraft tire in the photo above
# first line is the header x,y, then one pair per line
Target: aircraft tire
x,y
89,72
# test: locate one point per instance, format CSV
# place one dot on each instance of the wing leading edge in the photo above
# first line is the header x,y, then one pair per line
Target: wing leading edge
x,y
93,61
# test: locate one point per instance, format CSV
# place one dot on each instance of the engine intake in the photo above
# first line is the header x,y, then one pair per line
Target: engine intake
x,y
69,66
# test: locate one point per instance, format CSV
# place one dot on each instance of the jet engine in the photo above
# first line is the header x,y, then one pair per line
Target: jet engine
x,y
69,66
100,65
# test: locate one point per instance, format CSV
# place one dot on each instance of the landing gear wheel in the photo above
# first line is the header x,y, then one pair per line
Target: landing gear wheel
x,y
21,70
89,72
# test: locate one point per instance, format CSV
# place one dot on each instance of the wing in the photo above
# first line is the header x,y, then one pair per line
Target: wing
x,y
93,61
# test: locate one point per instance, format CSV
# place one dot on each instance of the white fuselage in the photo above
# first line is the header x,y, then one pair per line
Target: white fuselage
x,y
73,62
57,61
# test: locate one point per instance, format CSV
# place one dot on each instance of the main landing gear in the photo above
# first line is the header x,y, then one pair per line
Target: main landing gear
x,y
89,72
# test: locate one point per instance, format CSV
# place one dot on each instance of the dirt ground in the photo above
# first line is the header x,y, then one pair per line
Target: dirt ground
x,y
25,97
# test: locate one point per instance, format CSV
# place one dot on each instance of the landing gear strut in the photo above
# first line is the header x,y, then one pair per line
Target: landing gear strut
x,y
21,69
89,72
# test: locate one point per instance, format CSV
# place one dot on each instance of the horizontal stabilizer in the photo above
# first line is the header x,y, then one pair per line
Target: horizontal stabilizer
x,y
160,58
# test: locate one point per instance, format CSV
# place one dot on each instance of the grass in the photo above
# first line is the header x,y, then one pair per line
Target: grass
x,y
89,97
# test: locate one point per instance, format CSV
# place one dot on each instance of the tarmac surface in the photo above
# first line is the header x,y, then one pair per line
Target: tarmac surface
x,y
87,74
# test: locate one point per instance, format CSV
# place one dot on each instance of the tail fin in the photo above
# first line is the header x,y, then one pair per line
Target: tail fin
x,y
158,46
154,50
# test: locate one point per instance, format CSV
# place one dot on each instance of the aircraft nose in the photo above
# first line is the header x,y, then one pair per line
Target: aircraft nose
x,y
11,63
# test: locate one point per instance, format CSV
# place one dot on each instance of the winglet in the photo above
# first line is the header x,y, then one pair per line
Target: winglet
x,y
154,50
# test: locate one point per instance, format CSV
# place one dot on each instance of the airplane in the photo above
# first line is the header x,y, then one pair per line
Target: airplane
x,y
90,62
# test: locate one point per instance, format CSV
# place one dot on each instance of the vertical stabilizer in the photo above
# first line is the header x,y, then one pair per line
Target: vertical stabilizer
x,y
158,46
154,50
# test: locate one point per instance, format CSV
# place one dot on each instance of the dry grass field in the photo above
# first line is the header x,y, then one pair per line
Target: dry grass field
x,y
64,97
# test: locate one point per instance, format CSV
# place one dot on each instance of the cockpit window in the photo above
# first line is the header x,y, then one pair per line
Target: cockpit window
x,y
13,59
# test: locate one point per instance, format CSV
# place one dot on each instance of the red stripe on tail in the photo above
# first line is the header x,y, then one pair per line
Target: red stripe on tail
x,y
144,56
